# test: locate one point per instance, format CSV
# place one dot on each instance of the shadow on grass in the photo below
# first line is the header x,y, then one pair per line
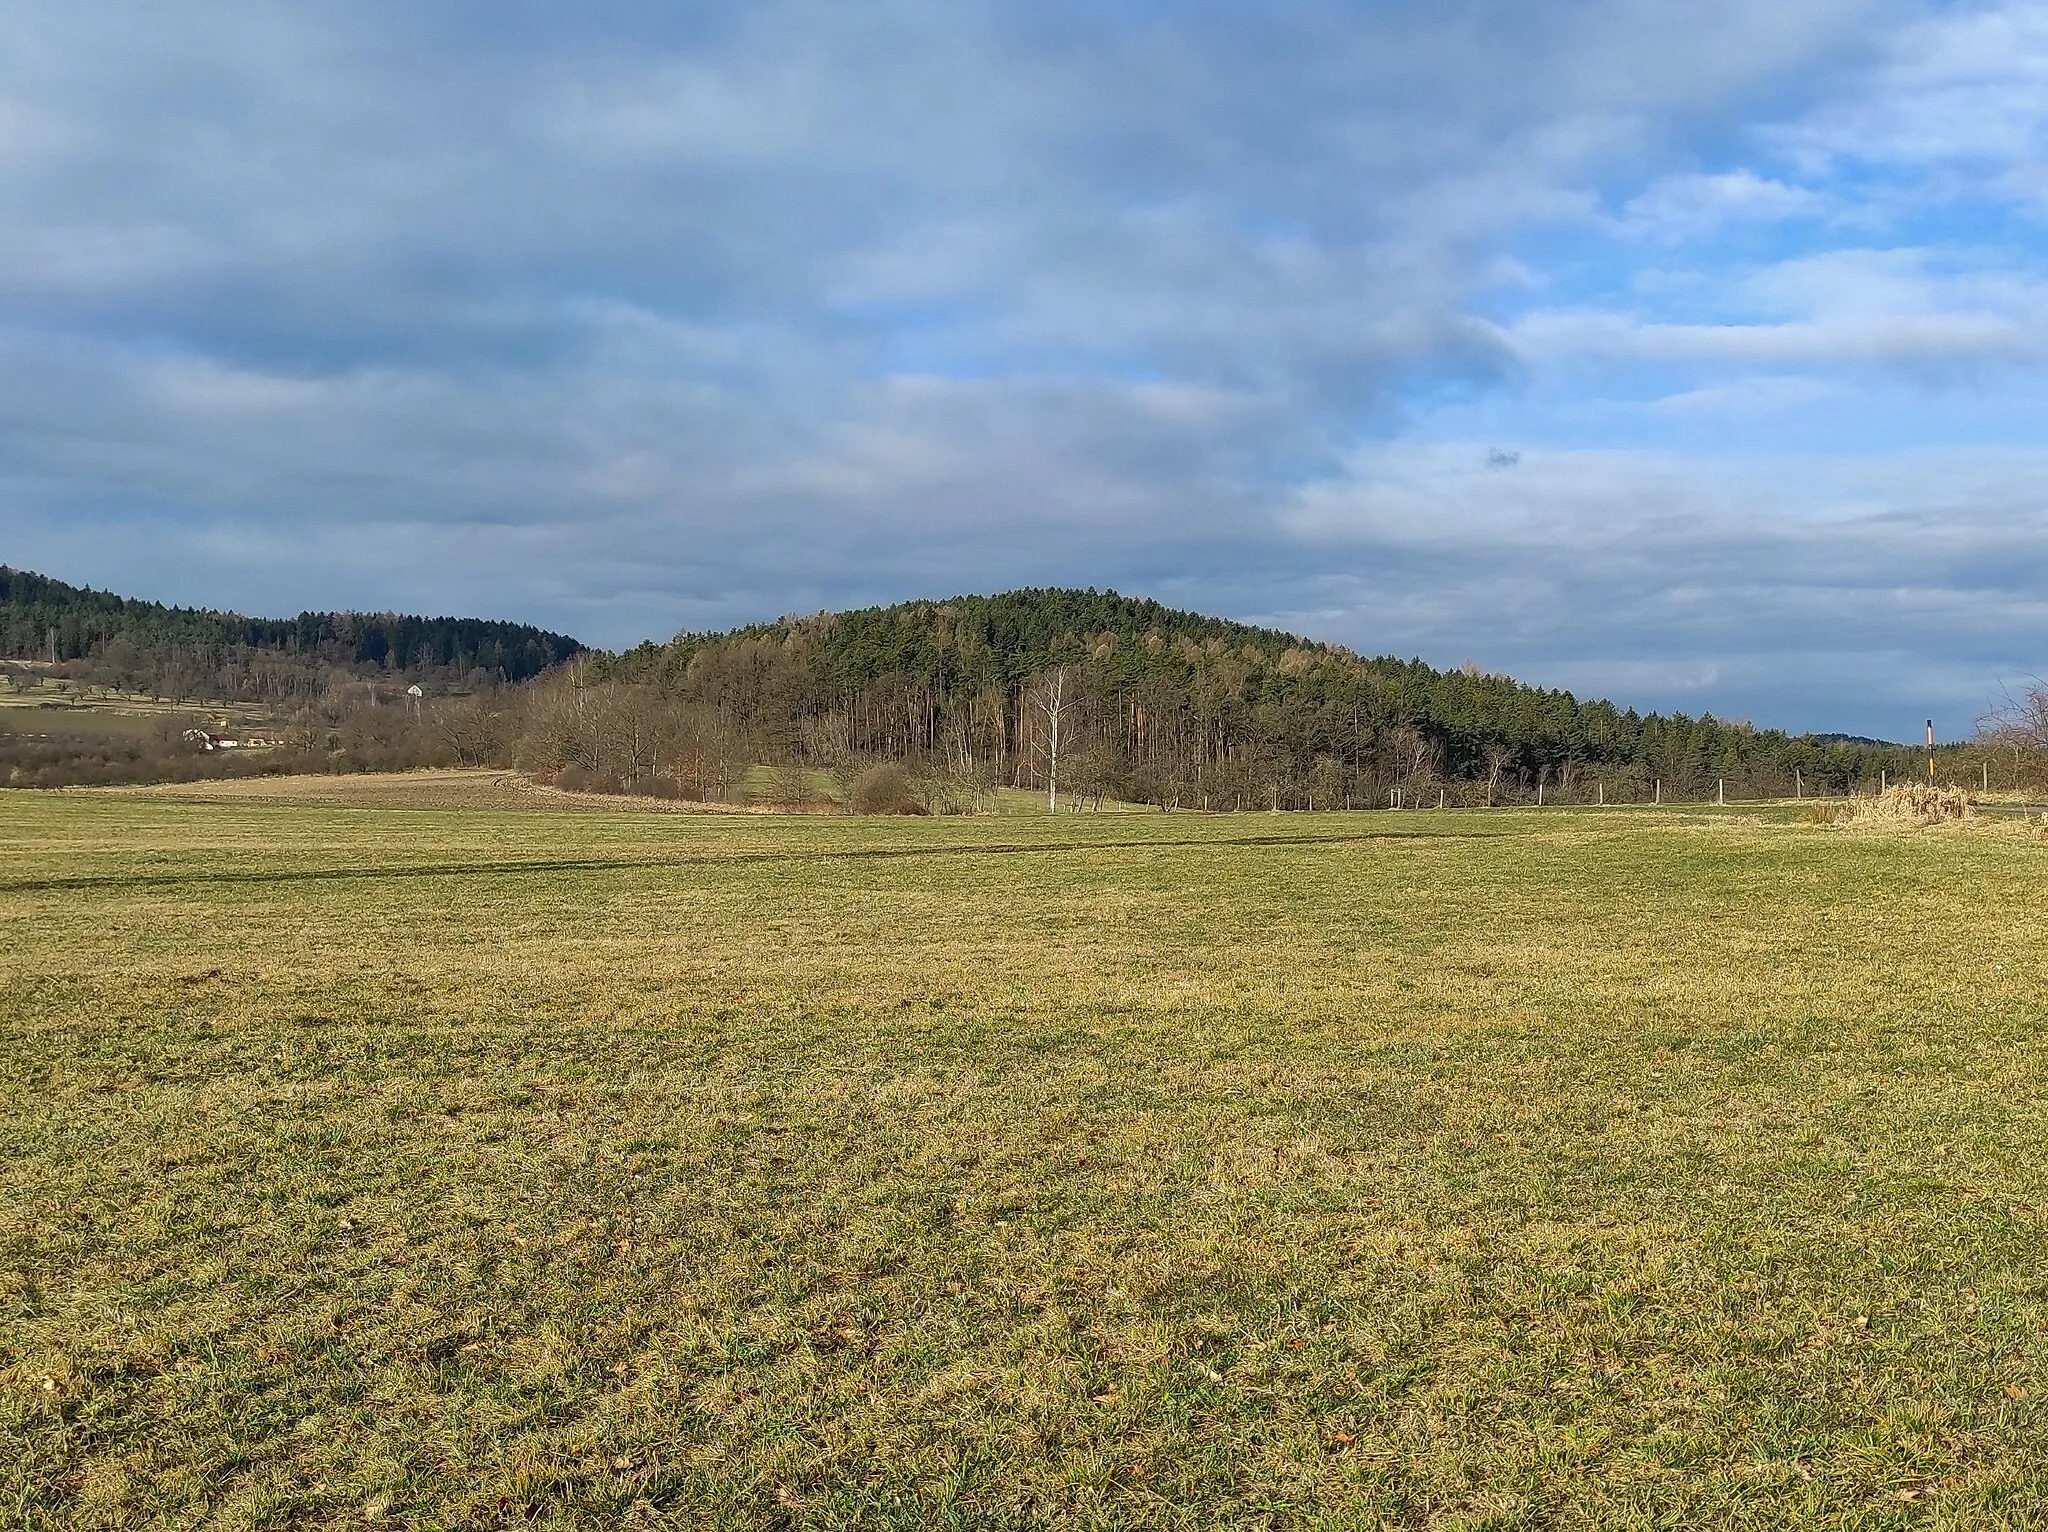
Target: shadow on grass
x,y
734,859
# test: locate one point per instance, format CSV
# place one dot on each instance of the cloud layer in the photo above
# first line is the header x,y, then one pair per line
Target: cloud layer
x,y
639,317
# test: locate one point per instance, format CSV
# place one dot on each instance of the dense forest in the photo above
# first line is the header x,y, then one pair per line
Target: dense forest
x,y
1101,695
1153,705
183,652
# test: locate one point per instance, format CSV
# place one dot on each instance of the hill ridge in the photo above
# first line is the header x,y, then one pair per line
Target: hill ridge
x,y
43,618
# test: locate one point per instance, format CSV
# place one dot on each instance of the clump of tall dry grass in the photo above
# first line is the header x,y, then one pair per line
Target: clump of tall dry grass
x,y
1911,805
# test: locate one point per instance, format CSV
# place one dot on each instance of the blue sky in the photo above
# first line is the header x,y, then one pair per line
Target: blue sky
x,y
1692,356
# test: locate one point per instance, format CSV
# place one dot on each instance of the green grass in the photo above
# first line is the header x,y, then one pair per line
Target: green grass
x,y
1510,1169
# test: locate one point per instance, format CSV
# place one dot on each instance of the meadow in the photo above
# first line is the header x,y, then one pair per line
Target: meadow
x,y
444,1167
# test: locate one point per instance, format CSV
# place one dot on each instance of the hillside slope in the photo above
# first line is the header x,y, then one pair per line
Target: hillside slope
x,y
144,645
1174,706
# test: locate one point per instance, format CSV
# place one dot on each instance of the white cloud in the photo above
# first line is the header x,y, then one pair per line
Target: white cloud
x,y
1962,84
1906,309
1682,207
1910,341
1750,398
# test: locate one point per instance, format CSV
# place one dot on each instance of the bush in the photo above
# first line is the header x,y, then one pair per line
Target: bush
x,y
573,779
790,787
883,789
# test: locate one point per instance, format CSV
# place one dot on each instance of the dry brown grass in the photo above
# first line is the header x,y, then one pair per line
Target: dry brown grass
x,y
1916,806
482,788
495,788
1911,805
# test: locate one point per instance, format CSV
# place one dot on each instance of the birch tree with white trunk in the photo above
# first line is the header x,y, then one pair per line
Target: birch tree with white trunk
x,y
1052,701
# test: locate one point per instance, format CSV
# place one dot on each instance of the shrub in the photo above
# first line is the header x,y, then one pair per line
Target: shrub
x,y
573,779
790,787
883,789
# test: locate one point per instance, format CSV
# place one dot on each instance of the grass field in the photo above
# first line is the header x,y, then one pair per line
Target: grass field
x,y
446,1168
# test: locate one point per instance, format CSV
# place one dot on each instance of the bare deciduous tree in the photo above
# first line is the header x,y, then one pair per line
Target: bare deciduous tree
x,y
2023,718
471,729
1050,697
2018,725
1497,758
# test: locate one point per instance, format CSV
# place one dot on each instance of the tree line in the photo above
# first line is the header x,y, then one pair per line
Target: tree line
x,y
187,652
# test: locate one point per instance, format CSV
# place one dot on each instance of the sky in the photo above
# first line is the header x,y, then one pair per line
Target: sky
x,y
1690,356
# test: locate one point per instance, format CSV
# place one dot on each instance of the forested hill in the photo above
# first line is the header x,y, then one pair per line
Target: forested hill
x,y
1156,704
142,641
1003,639
1170,704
